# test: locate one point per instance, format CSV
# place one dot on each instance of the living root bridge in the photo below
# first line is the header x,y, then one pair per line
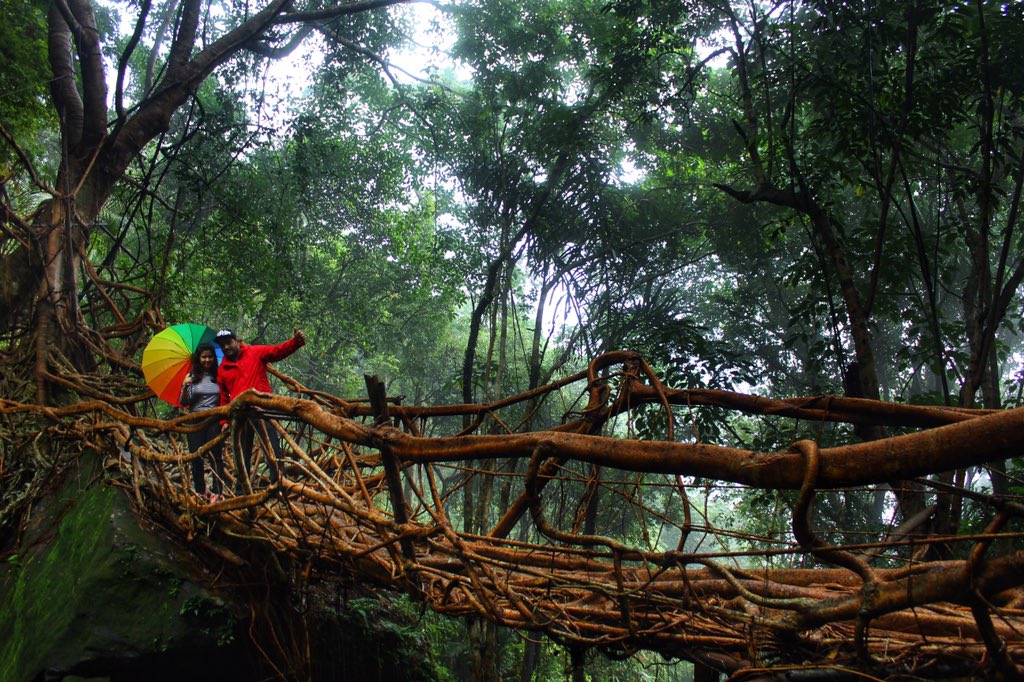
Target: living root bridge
x,y
367,496
970,442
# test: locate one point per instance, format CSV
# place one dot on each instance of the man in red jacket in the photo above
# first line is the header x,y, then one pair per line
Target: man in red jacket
x,y
245,367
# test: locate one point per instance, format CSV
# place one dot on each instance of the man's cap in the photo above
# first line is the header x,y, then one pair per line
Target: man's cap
x,y
224,334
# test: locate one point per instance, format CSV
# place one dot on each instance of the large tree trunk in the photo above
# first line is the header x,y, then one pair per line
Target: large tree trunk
x,y
993,401
56,319
483,634
39,293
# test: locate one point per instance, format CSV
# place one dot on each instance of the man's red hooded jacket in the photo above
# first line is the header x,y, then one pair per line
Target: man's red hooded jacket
x,y
249,369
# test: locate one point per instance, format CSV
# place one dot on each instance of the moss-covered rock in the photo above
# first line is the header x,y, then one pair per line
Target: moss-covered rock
x,y
89,591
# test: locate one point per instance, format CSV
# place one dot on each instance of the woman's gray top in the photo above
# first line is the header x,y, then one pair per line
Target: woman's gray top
x,y
201,395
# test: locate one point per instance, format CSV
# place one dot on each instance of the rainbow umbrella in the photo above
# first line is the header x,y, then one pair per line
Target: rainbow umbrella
x,y
167,358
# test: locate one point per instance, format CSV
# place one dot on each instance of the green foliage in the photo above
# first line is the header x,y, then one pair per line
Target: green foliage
x,y
422,639
24,75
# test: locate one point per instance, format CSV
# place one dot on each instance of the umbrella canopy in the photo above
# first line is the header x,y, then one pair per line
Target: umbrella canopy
x,y
167,358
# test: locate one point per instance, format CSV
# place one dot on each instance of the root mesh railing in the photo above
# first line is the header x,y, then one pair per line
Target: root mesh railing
x,y
610,541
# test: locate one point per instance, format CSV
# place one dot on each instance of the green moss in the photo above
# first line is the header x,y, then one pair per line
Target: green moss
x,y
47,585
92,584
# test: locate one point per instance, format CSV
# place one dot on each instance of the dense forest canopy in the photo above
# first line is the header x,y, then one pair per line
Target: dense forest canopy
x,y
844,179
784,199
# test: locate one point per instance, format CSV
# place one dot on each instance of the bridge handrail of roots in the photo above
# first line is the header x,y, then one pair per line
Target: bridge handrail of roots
x,y
369,493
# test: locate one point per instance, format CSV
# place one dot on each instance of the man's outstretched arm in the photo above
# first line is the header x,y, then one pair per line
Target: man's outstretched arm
x,y
283,350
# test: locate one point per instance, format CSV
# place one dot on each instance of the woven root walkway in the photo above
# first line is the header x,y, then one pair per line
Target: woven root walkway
x,y
606,542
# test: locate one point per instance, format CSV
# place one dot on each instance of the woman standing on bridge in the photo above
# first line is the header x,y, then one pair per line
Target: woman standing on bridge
x,y
199,392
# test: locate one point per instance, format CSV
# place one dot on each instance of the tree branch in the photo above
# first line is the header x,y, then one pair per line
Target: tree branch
x,y
184,38
94,77
340,11
129,49
269,52
66,98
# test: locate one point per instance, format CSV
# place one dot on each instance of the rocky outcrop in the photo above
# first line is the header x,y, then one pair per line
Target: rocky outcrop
x,y
90,593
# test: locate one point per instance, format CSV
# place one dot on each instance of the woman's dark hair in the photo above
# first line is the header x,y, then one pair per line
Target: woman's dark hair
x,y
197,367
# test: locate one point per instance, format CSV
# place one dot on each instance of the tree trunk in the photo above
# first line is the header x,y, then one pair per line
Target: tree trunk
x,y
483,638
483,643
577,658
703,673
56,319
993,400
531,658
